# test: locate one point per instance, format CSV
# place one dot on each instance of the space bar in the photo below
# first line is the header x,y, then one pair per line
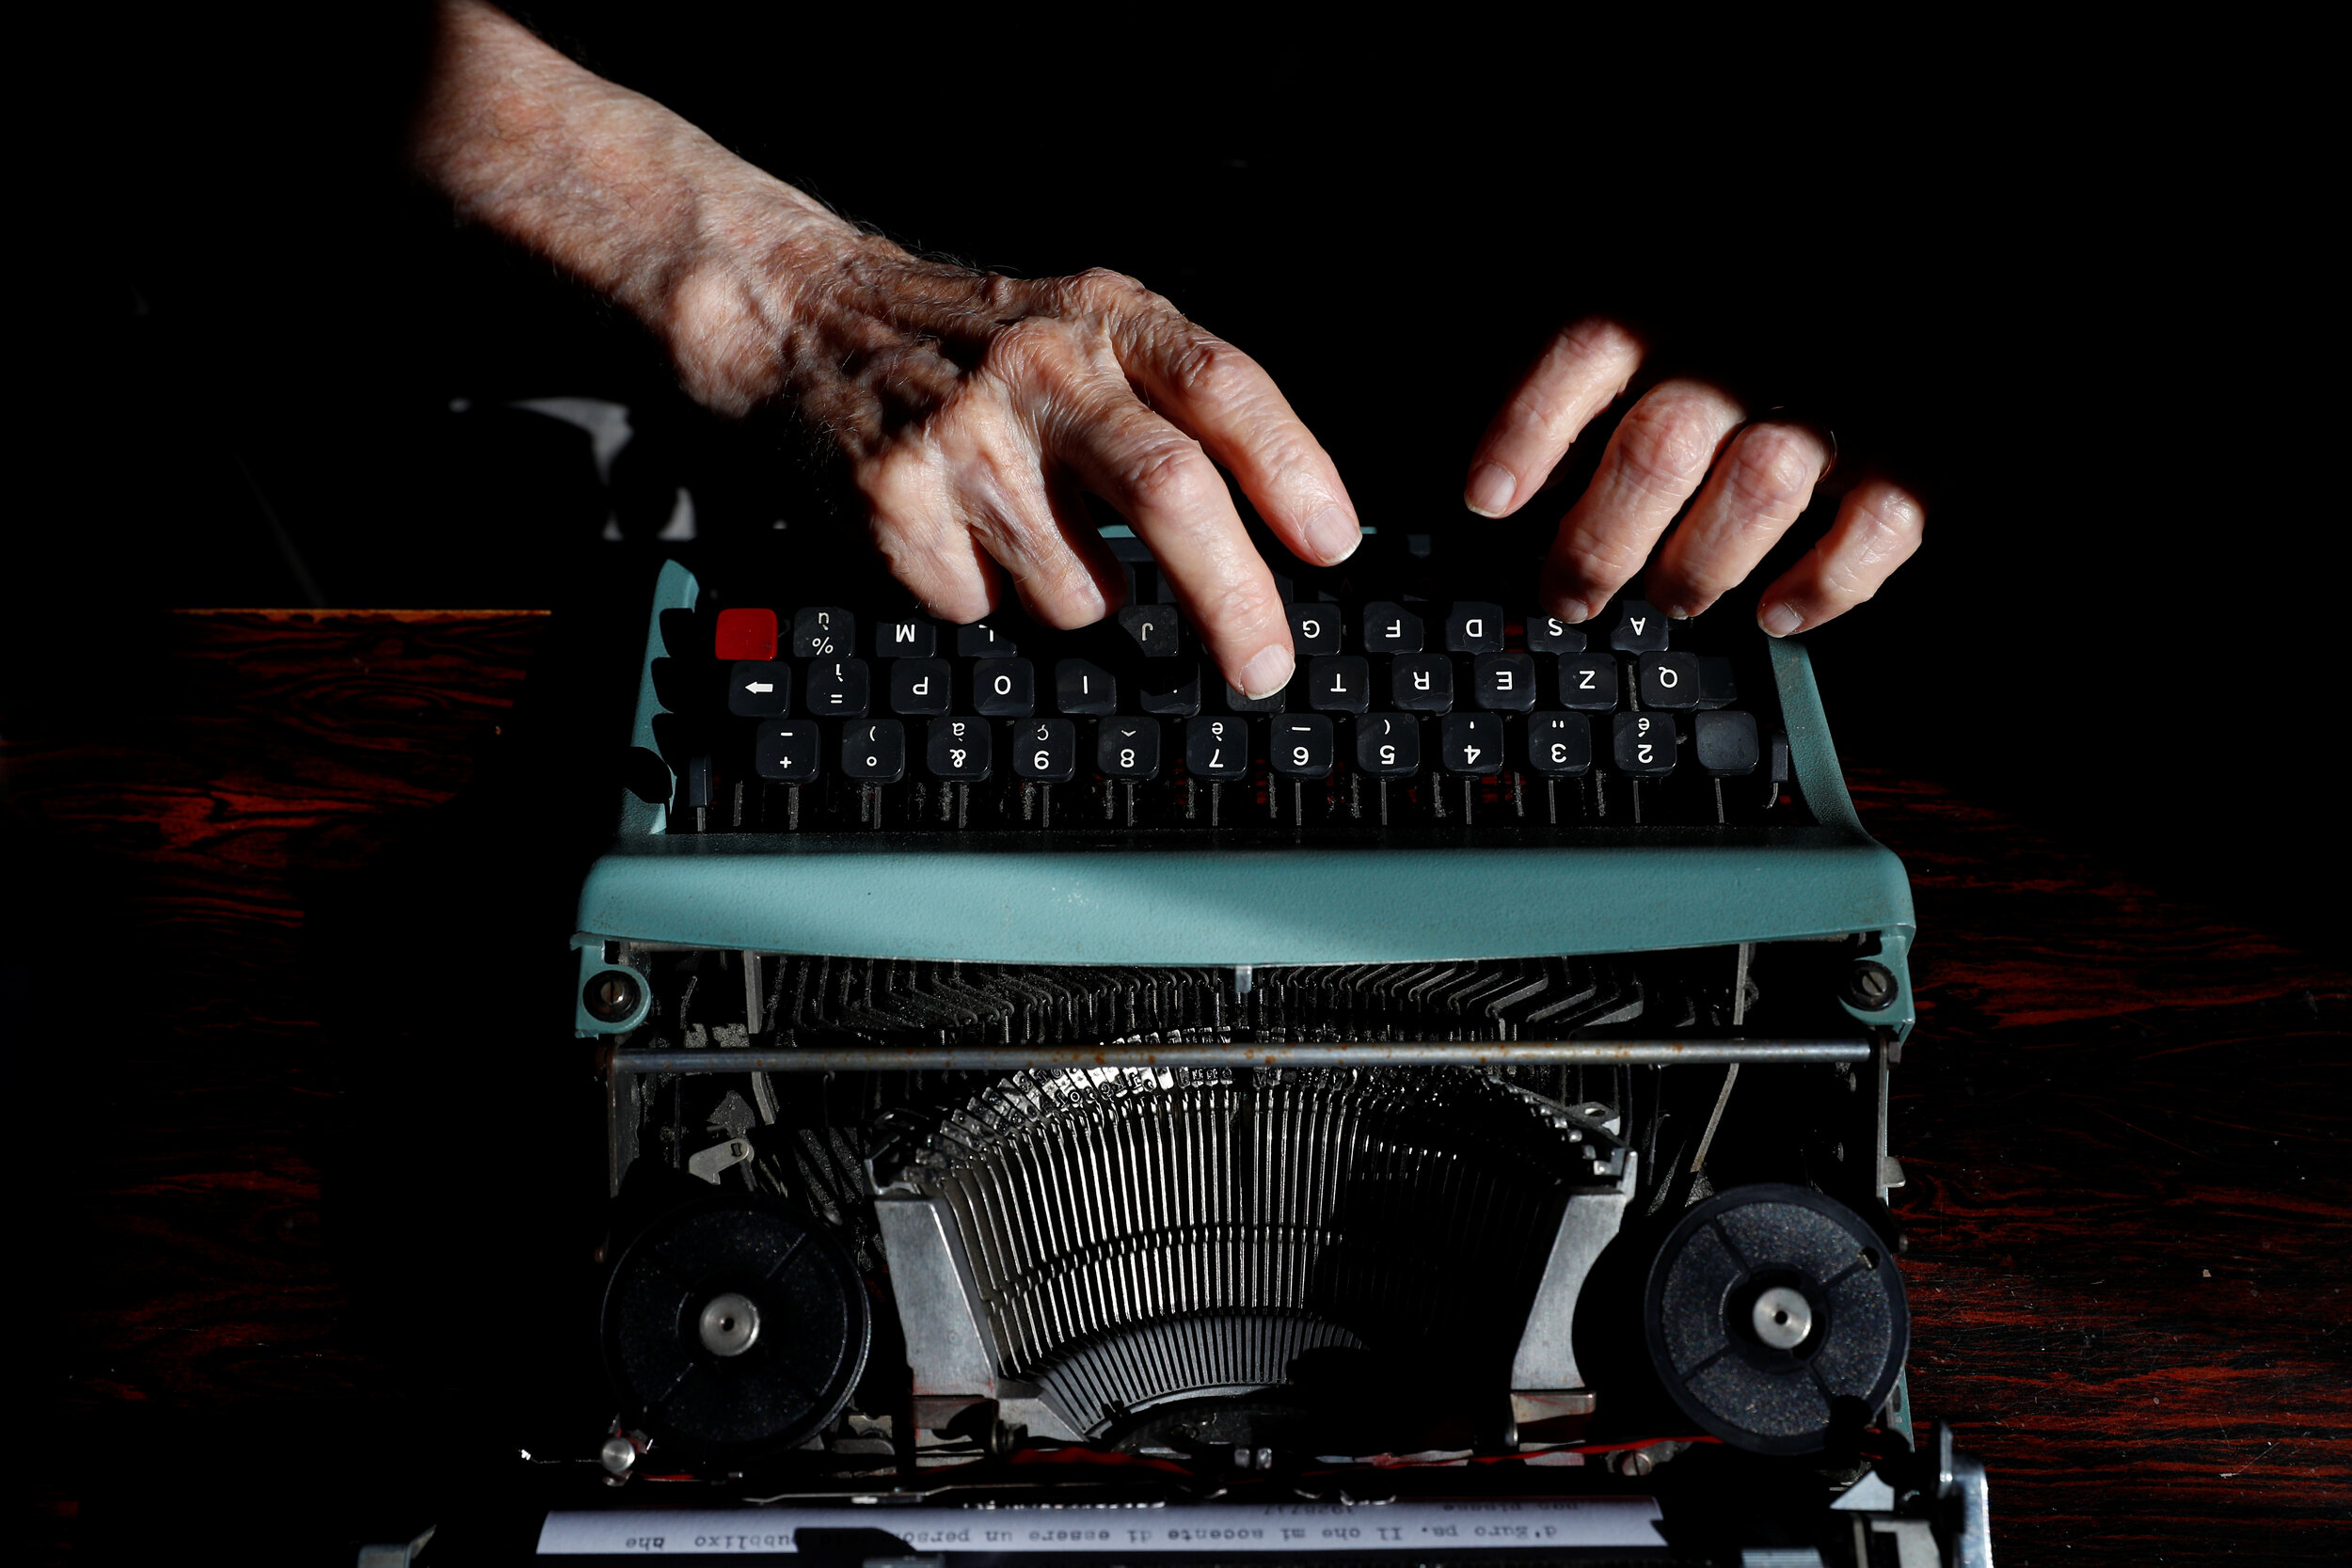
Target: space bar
x,y
1008,1058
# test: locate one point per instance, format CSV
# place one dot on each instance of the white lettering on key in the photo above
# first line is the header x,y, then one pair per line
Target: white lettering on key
x,y
762,687
1586,684
1643,749
1667,678
1004,685
1127,757
956,756
1469,756
1041,761
1387,755
1310,629
1638,623
903,631
923,687
1475,626
1502,679
1396,629
1421,680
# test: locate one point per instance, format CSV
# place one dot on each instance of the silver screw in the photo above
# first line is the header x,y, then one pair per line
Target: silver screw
x,y
618,1455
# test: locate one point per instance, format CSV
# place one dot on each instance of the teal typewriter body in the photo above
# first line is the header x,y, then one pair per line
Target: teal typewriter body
x,y
1027,1059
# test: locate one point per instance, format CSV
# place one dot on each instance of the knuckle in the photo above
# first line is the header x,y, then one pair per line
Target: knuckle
x,y
1172,471
1033,346
1101,289
1207,369
1771,467
1666,443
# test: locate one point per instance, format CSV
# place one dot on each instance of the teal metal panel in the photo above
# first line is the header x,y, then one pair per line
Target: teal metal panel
x,y
1235,906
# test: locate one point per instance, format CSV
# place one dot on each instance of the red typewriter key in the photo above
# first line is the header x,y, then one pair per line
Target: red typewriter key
x,y
746,634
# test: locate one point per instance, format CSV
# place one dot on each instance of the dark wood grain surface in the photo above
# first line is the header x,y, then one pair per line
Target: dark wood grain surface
x,y
2124,1121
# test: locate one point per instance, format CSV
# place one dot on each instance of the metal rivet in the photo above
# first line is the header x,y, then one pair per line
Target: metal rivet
x,y
1870,986
612,996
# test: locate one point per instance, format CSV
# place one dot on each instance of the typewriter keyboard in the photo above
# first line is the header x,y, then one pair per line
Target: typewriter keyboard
x,y
1406,713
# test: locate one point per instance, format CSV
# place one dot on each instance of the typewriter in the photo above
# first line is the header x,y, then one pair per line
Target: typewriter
x,y
1058,1106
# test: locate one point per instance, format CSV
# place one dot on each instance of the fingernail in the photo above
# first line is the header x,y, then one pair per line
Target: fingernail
x,y
1334,535
1779,620
1574,611
1490,490
1266,672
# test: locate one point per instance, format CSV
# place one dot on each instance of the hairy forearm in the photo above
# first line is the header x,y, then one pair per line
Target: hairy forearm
x,y
622,195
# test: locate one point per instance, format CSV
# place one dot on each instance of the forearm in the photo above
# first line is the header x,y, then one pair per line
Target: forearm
x,y
622,195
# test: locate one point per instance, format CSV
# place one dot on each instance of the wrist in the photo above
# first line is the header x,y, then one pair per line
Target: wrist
x,y
741,300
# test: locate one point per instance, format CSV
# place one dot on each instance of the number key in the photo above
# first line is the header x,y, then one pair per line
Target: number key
x,y
1559,745
1127,748
1216,748
1302,746
1471,743
1388,745
1045,751
1643,744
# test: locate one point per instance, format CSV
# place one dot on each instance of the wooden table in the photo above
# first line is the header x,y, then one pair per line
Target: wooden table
x,y
2124,1121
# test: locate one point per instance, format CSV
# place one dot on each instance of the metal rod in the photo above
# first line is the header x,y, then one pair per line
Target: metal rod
x,y
1008,1058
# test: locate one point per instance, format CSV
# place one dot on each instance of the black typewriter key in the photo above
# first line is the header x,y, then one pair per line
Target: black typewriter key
x,y
958,749
823,631
1273,702
1724,743
1588,683
1716,687
836,689
1300,746
1339,683
919,686
1640,628
1152,627
1314,629
1559,745
1643,744
1548,635
1045,751
1082,686
908,637
1422,683
1127,748
1504,683
1170,687
1388,745
1216,748
1471,743
982,640
759,689
874,751
1473,628
786,751
1004,687
1667,680
1390,628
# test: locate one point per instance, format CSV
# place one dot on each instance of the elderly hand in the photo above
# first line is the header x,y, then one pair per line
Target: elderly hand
x,y
1681,439
972,409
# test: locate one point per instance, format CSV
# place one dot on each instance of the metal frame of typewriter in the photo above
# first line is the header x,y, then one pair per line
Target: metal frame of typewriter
x,y
857,896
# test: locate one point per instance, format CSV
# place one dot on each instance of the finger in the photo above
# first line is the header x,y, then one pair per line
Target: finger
x,y
975,491
1762,483
1878,529
1657,457
920,536
1214,392
1162,482
1581,371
